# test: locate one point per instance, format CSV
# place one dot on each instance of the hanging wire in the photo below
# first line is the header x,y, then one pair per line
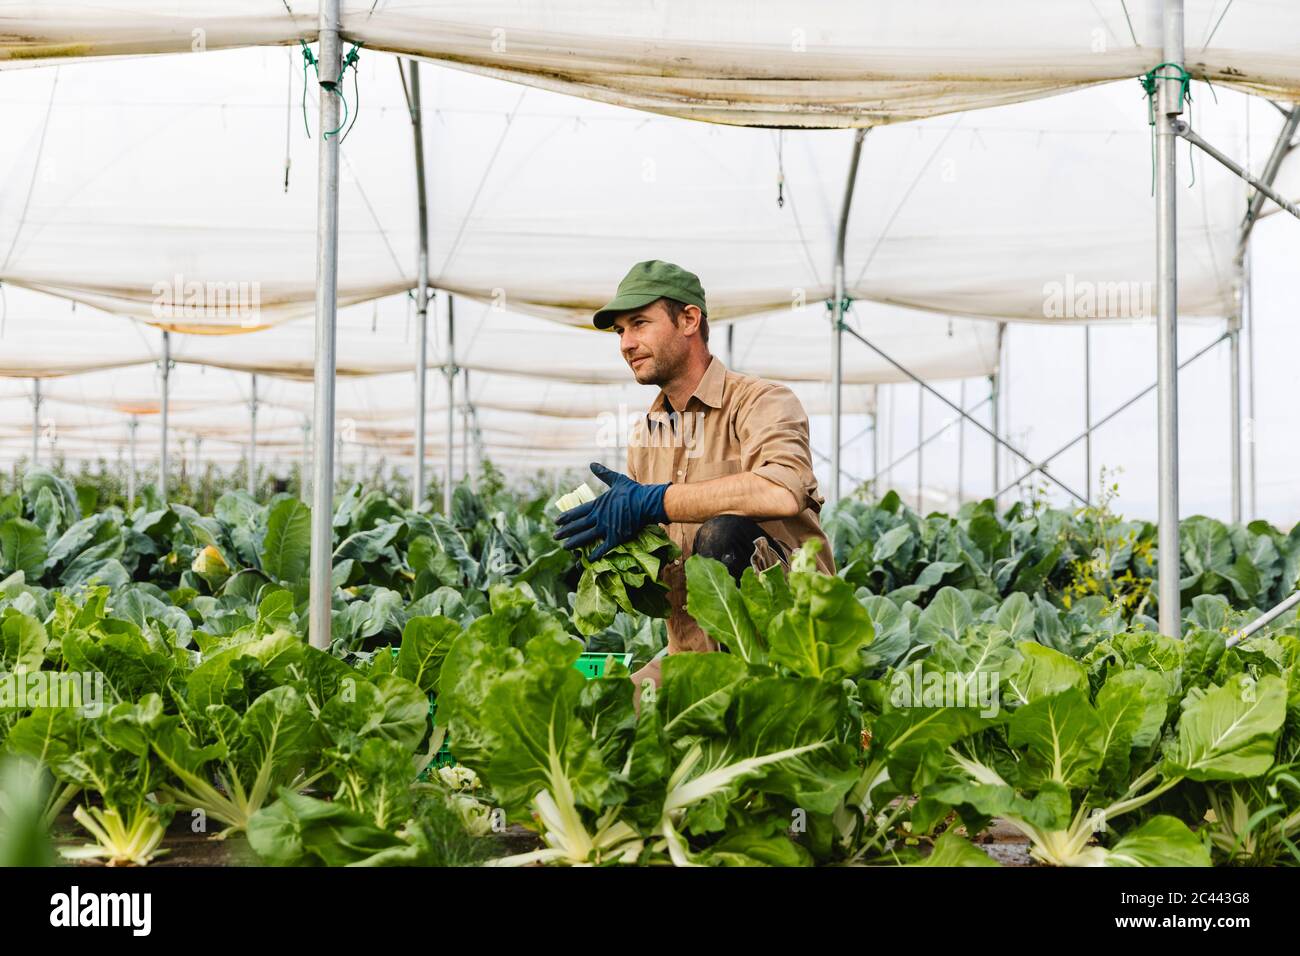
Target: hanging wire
x,y
1217,23
308,59
780,168
288,114
907,194
1129,20
36,165
356,113
1149,85
487,171
349,61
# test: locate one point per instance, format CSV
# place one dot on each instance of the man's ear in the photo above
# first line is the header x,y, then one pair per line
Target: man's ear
x,y
691,316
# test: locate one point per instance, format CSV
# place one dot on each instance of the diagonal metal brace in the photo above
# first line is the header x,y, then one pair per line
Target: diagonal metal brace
x,y
978,424
933,436
1264,619
1187,133
1110,415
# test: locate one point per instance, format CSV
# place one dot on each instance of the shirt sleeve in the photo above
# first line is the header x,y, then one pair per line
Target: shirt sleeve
x,y
773,431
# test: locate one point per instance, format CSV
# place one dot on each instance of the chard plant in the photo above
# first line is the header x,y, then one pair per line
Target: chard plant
x,y
624,578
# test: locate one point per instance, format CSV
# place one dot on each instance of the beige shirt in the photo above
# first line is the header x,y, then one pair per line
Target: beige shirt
x,y
732,423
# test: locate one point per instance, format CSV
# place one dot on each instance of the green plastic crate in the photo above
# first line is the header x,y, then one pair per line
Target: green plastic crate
x,y
590,665
593,665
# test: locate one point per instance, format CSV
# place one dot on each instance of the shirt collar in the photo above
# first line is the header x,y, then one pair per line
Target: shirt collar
x,y
709,391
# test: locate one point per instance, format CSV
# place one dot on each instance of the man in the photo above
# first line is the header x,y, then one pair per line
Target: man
x,y
722,460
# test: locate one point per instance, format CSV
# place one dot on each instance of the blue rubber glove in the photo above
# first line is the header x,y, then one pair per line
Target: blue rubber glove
x,y
615,517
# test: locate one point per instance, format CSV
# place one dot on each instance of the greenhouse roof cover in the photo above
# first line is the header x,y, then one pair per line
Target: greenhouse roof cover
x,y
129,180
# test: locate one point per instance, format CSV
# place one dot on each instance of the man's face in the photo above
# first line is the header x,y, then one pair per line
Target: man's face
x,y
653,347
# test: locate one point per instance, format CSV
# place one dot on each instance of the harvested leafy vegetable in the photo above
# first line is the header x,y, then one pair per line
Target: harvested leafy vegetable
x,y
626,577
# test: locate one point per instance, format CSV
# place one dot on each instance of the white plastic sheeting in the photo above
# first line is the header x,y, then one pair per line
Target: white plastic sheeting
x,y
42,337
526,416
820,63
155,188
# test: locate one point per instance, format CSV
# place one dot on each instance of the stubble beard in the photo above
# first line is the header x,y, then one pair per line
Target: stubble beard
x,y
658,370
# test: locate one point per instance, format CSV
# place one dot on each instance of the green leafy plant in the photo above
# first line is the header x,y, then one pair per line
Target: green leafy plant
x,y
626,577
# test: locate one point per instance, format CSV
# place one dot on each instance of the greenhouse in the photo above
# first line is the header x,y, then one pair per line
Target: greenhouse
x,y
831,434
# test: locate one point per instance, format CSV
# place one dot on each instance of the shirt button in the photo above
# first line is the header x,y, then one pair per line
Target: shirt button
x,y
681,473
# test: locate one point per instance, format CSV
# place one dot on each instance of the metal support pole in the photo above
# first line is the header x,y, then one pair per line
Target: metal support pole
x,y
1246,304
166,402
252,437
961,445
1169,105
421,292
978,424
1234,414
920,447
451,400
889,454
1281,147
478,439
1253,440
131,426
875,443
464,428
993,418
995,414
198,451
304,467
837,312
36,421
1087,412
327,258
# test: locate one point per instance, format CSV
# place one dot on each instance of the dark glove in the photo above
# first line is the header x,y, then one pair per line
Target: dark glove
x,y
613,518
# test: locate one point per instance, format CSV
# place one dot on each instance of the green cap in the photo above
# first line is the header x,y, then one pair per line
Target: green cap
x,y
647,281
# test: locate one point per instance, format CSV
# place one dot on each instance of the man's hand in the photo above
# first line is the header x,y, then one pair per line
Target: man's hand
x,y
613,518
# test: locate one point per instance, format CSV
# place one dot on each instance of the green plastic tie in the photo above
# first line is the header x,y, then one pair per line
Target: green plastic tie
x,y
309,59
845,304
1149,81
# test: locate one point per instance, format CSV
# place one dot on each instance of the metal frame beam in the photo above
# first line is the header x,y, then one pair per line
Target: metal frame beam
x,y
450,370
1087,412
36,421
1262,188
1169,105
464,428
837,313
165,405
327,259
978,424
1110,415
1268,617
252,435
132,425
422,287
1281,147
933,436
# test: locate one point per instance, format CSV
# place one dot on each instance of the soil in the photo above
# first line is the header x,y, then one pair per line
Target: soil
x,y
1006,845
186,848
